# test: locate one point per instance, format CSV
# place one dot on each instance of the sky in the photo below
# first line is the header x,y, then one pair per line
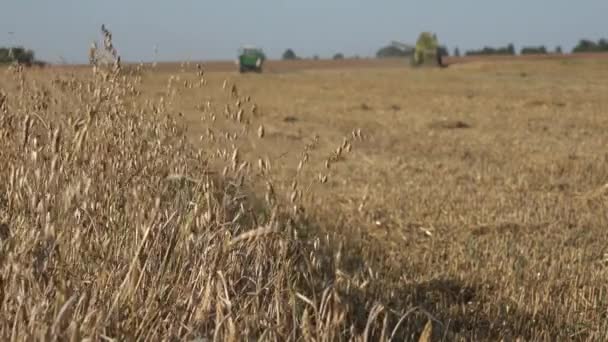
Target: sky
x,y
61,31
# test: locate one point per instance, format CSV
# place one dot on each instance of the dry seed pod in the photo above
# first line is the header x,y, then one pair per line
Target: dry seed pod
x,y
234,91
12,178
235,155
56,141
26,130
269,192
294,196
82,135
243,166
54,163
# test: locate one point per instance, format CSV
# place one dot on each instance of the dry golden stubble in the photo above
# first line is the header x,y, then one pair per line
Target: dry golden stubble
x,y
249,282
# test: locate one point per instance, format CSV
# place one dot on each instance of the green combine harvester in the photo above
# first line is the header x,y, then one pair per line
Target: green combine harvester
x,y
250,58
427,51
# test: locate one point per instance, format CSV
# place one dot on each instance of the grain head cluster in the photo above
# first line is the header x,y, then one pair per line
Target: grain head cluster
x,y
114,225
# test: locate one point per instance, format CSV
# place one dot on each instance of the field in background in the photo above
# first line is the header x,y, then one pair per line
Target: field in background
x,y
276,66
478,192
480,188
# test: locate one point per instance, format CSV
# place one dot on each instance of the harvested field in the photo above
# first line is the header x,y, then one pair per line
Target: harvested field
x,y
282,66
531,57
271,66
328,203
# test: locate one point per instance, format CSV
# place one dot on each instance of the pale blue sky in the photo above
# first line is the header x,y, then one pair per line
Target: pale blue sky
x,y
214,29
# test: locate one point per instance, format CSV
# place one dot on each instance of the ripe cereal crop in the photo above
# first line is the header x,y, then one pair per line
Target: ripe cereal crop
x,y
368,204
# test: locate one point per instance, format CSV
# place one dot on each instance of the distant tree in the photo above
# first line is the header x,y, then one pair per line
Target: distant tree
x,y
586,45
457,52
392,51
511,49
289,54
339,56
533,50
17,54
558,50
508,50
443,51
315,57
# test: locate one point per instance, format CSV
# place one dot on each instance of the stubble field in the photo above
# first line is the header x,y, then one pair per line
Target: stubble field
x,y
471,199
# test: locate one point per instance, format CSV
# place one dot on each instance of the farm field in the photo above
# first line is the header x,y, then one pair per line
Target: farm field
x,y
472,199
281,66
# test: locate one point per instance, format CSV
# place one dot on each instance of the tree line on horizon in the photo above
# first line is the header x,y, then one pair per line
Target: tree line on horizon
x,y
583,46
18,54
26,56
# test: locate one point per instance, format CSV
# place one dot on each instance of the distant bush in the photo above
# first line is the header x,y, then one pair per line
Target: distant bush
x,y
457,52
289,54
585,45
508,50
18,54
392,51
339,56
533,50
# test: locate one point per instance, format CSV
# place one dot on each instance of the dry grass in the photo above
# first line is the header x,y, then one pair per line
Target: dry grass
x,y
252,205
